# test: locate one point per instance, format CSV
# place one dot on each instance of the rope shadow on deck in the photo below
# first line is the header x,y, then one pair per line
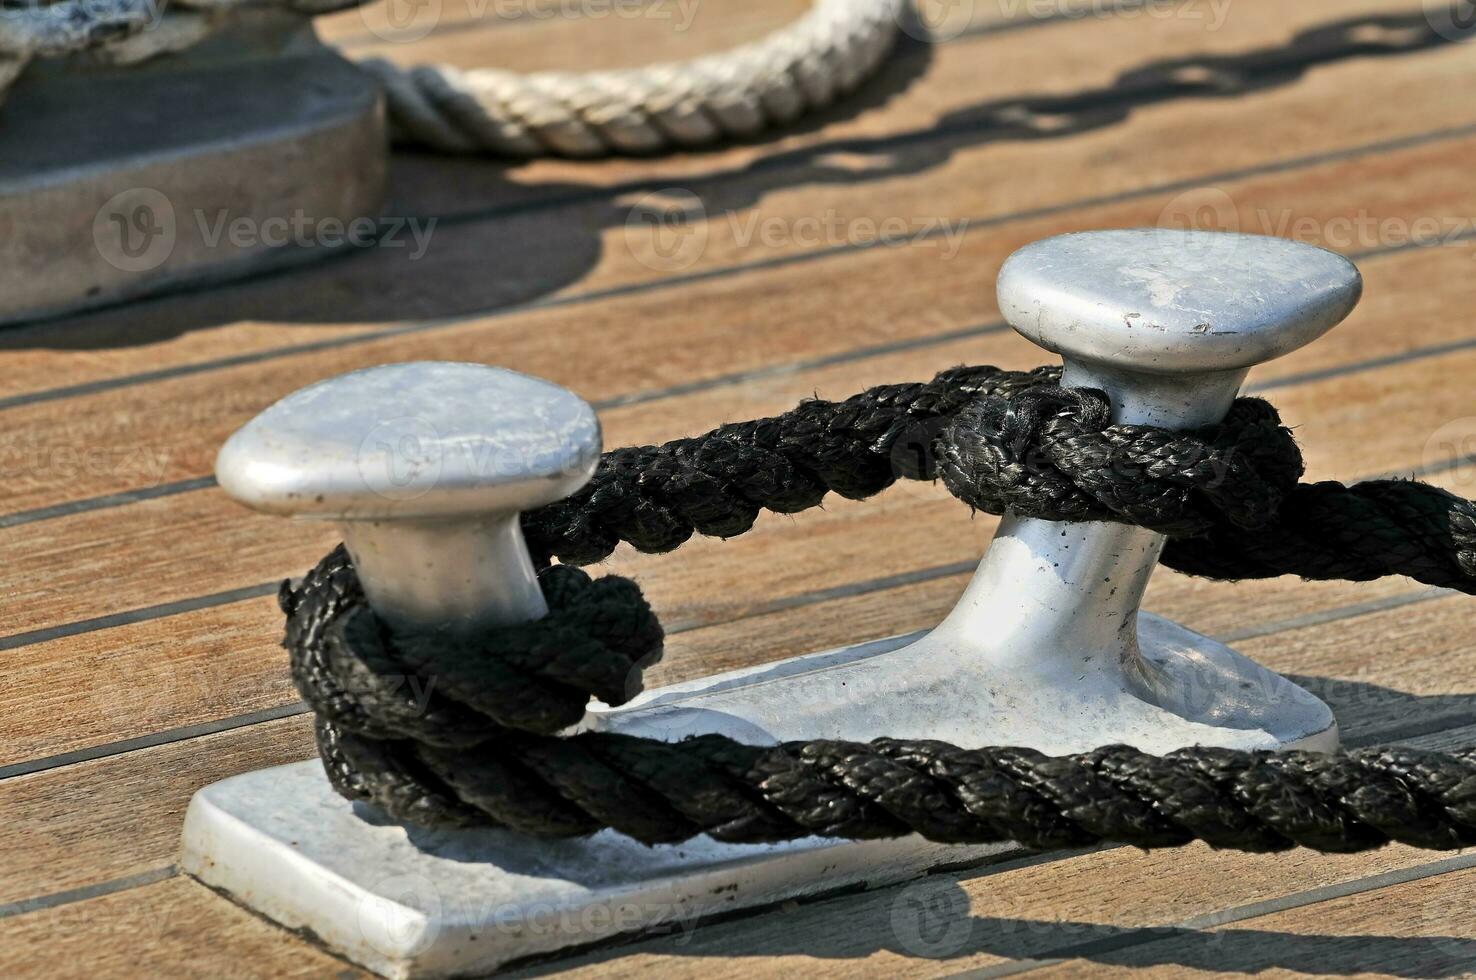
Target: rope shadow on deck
x,y
935,918
507,257
931,921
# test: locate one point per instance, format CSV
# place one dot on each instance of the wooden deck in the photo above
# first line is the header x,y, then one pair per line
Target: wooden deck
x,y
139,634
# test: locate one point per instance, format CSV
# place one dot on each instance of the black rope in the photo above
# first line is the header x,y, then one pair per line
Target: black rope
x,y
464,732
1015,439
655,497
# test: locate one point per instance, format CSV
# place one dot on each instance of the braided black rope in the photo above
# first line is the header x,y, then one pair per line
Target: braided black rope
x,y
465,732
655,497
1015,439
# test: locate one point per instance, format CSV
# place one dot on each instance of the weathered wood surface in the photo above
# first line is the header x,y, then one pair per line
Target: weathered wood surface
x,y
138,629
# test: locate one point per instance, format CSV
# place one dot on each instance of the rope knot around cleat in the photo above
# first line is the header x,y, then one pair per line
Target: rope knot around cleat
x,y
476,731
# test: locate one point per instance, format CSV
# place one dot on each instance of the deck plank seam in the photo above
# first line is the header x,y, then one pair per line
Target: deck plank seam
x,y
1130,938
73,895
1337,614
487,319
1135,937
1011,25
473,24
789,368
142,614
246,593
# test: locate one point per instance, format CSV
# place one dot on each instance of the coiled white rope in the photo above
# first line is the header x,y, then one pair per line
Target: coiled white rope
x,y
739,93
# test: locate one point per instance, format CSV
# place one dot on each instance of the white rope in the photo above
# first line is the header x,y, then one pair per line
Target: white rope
x,y
739,93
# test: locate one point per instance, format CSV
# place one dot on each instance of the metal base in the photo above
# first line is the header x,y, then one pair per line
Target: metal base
x,y
408,903
414,904
1046,650
254,151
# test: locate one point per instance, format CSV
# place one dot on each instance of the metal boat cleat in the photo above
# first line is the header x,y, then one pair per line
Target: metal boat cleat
x,y
1046,649
257,148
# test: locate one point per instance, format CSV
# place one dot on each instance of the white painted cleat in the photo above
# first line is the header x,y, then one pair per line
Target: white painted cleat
x,y
1046,649
425,467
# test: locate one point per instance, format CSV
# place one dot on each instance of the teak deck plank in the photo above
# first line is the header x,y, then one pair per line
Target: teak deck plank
x,y
169,670
1386,418
112,818
63,555
108,697
545,38
176,670
95,821
141,437
1034,908
958,179
1114,908
1420,928
172,928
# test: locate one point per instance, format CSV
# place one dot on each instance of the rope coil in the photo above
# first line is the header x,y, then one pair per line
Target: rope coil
x,y
476,740
657,108
652,109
